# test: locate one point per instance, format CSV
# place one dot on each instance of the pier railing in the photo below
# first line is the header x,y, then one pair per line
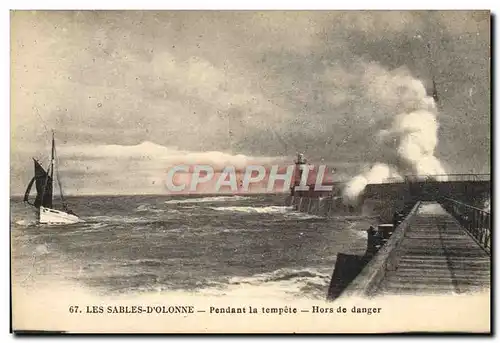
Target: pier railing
x,y
439,178
476,221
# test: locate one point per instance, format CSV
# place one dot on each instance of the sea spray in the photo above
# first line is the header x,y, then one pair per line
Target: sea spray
x,y
407,146
377,174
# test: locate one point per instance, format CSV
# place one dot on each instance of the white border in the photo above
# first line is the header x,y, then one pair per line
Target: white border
x,y
255,5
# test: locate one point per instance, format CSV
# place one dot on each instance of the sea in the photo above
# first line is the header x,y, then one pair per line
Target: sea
x,y
219,245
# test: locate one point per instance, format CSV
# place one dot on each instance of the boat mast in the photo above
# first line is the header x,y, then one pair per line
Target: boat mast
x,y
51,167
52,161
44,182
54,154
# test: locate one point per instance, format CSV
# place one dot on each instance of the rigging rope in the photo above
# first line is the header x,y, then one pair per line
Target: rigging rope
x,y
52,164
47,131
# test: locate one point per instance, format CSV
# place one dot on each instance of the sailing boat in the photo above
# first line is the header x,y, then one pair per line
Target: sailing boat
x,y
43,180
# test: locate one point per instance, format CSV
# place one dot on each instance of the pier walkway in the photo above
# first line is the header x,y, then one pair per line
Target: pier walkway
x,y
440,247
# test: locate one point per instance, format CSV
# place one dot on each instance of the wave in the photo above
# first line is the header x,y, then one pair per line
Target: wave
x,y
283,274
251,209
25,222
96,226
41,249
148,262
487,205
125,219
360,234
287,211
206,199
358,228
279,284
358,217
148,208
285,283
303,215
115,219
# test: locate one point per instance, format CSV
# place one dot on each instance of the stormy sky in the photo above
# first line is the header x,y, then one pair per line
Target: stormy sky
x,y
130,93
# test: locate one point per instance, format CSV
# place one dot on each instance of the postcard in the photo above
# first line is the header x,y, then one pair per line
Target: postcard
x,y
182,171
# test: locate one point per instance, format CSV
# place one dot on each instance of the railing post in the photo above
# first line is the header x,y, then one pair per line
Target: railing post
x,y
482,228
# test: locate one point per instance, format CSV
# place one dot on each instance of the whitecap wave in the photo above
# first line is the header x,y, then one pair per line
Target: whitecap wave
x,y
25,222
123,219
206,199
283,274
487,205
287,211
97,226
148,208
41,249
359,234
279,284
251,209
303,215
285,283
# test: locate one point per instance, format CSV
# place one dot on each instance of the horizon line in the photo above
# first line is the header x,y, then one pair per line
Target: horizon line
x,y
148,194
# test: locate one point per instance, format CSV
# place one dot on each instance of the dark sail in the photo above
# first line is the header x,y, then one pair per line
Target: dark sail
x,y
43,187
28,190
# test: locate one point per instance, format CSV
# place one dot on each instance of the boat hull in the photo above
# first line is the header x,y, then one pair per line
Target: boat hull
x,y
52,216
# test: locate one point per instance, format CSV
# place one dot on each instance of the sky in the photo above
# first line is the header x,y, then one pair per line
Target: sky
x,y
131,93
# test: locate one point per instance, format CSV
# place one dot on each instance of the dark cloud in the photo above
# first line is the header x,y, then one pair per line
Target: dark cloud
x,y
256,83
